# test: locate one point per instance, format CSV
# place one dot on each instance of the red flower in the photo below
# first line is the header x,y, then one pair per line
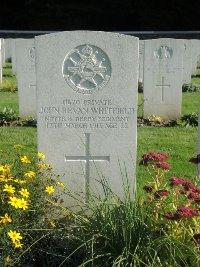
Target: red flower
x,y
163,165
186,212
153,156
182,212
148,188
194,196
197,238
195,160
161,193
189,185
171,215
177,181
183,192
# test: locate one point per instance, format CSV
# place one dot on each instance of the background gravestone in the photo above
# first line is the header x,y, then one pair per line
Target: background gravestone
x,y
0,64
3,52
8,48
87,106
141,60
26,79
187,61
195,54
163,75
198,150
14,63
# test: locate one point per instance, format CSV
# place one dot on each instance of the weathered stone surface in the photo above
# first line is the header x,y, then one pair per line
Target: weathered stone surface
x,y
163,75
87,107
26,78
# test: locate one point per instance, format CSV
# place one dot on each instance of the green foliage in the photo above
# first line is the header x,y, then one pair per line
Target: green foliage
x,y
8,114
190,88
8,85
186,120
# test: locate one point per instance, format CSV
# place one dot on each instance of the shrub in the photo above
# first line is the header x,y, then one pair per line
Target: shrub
x,y
8,85
27,212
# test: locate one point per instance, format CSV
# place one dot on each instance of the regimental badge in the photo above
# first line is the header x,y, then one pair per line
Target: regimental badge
x,y
163,52
86,69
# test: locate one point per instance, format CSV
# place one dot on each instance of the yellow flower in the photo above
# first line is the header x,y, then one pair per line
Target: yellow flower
x,y
8,261
41,155
49,189
24,192
60,184
25,159
18,146
9,188
1,167
14,236
52,223
6,174
44,165
20,181
17,244
30,174
5,219
23,204
14,201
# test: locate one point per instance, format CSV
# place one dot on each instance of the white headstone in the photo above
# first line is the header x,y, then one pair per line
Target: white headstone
x,y
0,63
141,60
187,61
3,52
8,48
26,79
195,54
198,149
14,63
163,75
87,106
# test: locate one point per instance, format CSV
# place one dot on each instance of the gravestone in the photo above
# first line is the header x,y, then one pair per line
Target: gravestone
x,y
163,75
14,63
141,60
195,54
87,107
26,78
198,149
187,61
3,60
0,64
8,48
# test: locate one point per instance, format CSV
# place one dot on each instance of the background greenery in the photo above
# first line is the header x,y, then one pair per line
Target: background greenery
x,y
179,142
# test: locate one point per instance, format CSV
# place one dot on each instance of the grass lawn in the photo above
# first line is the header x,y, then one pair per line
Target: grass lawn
x,y
179,142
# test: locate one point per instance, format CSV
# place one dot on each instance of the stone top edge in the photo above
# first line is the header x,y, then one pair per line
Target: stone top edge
x,y
87,32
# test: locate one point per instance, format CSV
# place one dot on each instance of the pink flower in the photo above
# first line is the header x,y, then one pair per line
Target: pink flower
x,y
163,165
171,215
194,196
186,212
182,212
161,193
153,156
189,185
176,181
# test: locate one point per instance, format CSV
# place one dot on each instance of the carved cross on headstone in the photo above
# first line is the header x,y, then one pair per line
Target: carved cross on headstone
x,y
163,85
87,159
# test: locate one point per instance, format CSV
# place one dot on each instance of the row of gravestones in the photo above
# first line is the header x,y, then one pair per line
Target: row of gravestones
x,y
87,99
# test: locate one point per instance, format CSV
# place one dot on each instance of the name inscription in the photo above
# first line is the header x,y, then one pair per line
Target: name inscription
x,y
87,114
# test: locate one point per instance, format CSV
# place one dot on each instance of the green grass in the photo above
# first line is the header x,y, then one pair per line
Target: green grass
x,y
10,100
195,79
